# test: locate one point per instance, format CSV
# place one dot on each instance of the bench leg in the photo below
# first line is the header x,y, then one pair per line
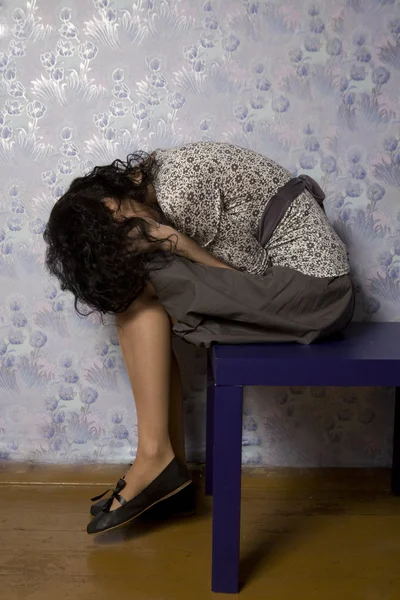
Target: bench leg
x,y
228,406
396,445
209,438
209,427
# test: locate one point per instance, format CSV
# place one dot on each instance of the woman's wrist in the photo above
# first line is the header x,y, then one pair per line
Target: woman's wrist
x,y
190,249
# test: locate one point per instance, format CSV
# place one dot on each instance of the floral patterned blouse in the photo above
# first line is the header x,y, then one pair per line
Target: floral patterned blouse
x,y
216,194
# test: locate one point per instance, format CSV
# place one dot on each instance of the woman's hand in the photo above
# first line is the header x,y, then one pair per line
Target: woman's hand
x,y
183,245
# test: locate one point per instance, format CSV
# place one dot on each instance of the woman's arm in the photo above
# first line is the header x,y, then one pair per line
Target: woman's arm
x,y
183,245
189,248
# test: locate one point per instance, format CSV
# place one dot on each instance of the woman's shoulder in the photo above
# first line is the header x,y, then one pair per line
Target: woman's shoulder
x,y
187,167
188,164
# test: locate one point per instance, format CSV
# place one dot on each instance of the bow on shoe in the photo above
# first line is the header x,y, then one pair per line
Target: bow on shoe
x,y
118,488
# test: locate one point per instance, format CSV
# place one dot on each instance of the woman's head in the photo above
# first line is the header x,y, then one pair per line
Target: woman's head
x,y
89,250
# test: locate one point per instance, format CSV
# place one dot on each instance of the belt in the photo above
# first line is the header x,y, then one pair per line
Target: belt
x,y
280,202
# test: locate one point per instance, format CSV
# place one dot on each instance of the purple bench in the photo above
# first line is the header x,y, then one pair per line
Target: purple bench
x,y
366,354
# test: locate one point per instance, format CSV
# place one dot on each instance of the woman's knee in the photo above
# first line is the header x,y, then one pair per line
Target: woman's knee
x,y
147,298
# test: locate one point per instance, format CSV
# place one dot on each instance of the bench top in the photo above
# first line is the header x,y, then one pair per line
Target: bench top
x,y
365,354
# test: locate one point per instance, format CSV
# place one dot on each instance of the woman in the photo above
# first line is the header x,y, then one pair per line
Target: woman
x,y
220,242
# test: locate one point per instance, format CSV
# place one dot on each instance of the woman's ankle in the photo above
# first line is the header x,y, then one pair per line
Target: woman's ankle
x,y
154,452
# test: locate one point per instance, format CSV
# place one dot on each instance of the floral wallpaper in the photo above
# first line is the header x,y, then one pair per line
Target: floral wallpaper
x,y
313,85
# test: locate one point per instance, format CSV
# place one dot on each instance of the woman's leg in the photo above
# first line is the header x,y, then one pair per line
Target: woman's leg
x,y
144,333
176,429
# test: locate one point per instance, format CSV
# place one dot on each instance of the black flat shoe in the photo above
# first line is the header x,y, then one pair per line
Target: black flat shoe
x,y
182,504
173,479
102,503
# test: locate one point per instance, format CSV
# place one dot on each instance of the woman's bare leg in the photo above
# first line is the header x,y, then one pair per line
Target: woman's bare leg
x,y
144,333
176,429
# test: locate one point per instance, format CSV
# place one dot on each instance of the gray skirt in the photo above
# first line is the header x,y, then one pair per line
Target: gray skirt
x,y
215,305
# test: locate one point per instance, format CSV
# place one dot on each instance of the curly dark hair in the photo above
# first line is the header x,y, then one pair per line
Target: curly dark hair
x,y
93,254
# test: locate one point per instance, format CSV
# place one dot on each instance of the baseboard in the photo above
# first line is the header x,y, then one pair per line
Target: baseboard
x,y
13,473
26,473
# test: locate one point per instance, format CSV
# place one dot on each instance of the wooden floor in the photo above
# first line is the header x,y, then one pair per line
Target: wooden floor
x,y
321,534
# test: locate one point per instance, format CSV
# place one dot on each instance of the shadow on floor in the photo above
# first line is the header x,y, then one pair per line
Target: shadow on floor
x,y
294,509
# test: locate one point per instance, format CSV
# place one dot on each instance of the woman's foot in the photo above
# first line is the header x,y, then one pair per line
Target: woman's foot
x,y
182,504
145,469
174,478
